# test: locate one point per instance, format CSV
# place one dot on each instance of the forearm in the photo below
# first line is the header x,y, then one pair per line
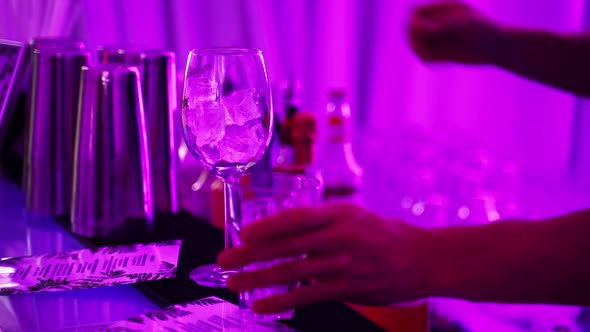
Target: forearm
x,y
514,261
559,60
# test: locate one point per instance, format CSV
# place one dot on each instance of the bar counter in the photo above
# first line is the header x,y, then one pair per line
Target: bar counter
x,y
83,310
24,234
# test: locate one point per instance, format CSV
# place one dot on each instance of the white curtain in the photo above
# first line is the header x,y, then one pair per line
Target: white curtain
x,y
22,20
361,45
356,44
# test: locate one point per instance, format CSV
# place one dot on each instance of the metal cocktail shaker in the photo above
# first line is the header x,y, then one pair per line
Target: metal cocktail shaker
x,y
157,72
112,176
13,121
159,92
20,120
46,44
50,129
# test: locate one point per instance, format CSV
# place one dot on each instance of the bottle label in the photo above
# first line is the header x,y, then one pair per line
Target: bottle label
x,y
337,130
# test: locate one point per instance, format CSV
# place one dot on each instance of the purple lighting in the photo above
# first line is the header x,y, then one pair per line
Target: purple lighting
x,y
363,47
505,128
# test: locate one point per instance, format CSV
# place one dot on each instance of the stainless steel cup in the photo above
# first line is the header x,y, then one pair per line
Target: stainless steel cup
x,y
45,44
157,71
159,92
50,129
112,176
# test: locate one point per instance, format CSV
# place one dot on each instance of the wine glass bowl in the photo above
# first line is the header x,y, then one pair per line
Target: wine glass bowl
x,y
226,108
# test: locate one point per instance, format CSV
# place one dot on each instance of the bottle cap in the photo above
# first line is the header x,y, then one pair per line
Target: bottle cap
x,y
337,93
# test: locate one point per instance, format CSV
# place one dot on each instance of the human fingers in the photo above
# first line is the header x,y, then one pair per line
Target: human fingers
x,y
295,246
287,222
306,295
437,8
290,272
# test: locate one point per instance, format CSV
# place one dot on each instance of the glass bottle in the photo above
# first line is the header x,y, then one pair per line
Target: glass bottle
x,y
290,100
342,175
303,138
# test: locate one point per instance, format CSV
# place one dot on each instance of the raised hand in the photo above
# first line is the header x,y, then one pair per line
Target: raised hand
x,y
452,31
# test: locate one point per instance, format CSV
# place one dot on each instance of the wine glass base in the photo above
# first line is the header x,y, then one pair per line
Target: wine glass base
x,y
210,276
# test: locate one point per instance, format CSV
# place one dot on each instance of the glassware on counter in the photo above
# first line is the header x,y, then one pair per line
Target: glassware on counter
x,y
157,73
342,175
227,120
51,129
112,187
252,196
291,105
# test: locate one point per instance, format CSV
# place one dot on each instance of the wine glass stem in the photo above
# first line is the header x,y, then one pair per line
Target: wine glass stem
x,y
226,207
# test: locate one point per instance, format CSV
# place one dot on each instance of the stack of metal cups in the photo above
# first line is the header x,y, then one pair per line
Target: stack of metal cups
x,y
45,44
157,71
112,175
99,140
50,127
42,44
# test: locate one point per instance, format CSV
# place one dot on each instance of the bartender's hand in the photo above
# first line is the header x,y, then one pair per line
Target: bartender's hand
x,y
352,254
450,30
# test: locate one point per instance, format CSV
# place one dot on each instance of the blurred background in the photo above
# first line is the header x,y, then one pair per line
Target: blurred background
x,y
360,45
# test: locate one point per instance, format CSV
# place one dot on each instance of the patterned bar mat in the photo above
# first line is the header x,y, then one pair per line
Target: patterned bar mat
x,y
89,268
201,242
210,314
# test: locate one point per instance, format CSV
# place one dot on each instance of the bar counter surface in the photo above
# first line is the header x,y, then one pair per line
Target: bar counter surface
x,y
23,234
83,310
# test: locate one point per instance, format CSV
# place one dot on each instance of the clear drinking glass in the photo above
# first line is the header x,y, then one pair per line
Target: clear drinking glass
x,y
226,119
254,195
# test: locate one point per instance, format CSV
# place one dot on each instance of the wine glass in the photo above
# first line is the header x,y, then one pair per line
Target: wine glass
x,y
226,120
